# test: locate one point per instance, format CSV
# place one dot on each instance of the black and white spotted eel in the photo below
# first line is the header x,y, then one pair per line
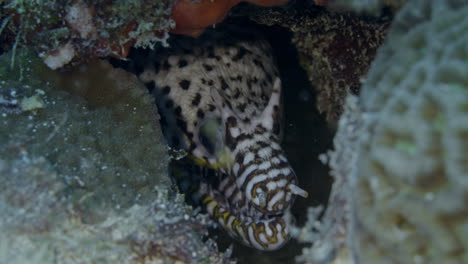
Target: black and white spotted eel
x,y
219,98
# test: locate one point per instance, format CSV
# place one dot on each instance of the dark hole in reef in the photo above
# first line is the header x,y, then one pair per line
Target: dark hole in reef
x,y
306,135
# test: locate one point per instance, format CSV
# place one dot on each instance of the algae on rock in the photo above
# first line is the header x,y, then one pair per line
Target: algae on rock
x,y
86,181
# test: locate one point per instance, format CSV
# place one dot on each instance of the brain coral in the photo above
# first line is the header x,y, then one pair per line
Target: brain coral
x,y
411,182
400,161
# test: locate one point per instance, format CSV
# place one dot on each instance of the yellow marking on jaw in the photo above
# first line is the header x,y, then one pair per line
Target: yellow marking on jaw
x,y
258,229
236,223
274,238
271,239
225,216
211,204
207,200
239,229
236,226
224,160
216,211
200,162
277,205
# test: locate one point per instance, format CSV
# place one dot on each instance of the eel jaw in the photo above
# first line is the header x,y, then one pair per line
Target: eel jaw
x,y
264,234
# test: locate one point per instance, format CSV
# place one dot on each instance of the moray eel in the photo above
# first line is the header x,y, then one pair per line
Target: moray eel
x,y
219,98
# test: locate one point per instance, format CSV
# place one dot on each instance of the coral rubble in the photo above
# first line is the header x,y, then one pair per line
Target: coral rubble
x,y
86,181
401,147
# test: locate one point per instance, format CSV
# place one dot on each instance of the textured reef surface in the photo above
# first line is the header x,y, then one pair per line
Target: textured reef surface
x,y
83,164
86,181
64,32
335,49
400,160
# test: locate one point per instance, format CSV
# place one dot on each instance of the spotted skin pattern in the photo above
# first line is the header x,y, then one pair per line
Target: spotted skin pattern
x,y
220,100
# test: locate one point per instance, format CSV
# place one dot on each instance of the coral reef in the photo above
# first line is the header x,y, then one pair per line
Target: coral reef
x,y
400,152
335,50
75,31
86,182
64,32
